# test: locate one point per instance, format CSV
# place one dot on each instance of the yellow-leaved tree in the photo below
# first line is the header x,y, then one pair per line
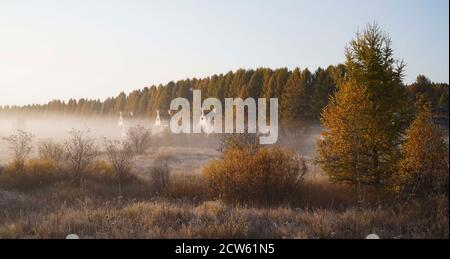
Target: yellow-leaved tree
x,y
366,118
424,168
343,147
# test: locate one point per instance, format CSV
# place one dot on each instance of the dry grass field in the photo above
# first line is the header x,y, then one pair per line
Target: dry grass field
x,y
42,201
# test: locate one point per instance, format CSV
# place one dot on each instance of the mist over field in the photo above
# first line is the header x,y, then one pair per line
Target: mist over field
x,y
188,152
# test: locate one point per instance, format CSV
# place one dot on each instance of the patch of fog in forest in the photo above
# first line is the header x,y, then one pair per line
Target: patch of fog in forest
x,y
188,152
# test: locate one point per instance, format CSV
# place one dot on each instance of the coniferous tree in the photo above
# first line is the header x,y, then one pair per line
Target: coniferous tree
x,y
372,71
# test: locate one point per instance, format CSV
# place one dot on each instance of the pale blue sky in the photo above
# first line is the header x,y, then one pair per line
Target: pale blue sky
x,y
60,49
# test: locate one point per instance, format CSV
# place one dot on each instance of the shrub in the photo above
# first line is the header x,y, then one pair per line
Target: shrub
x,y
81,152
139,139
120,156
101,182
49,150
160,174
20,145
263,177
35,174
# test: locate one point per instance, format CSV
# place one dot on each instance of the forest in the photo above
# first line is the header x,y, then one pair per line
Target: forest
x,y
302,94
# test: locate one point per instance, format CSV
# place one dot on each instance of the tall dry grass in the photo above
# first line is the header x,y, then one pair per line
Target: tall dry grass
x,y
42,202
212,219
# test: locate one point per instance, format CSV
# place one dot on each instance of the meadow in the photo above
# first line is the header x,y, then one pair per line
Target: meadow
x,y
42,201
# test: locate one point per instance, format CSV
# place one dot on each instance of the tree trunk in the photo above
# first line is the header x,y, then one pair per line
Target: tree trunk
x,y
358,175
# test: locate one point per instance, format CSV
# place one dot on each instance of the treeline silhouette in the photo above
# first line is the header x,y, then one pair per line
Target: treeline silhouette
x,y
302,94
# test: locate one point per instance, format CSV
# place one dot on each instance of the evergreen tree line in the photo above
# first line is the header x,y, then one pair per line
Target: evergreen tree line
x,y
302,94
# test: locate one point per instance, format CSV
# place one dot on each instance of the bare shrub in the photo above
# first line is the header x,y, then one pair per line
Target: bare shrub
x,y
263,177
160,174
20,145
81,152
139,138
120,156
49,150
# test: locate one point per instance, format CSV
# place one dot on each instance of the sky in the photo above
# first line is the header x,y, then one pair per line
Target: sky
x,y
64,49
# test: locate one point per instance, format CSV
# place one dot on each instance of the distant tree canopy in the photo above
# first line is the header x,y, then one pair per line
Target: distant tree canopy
x,y
434,93
302,94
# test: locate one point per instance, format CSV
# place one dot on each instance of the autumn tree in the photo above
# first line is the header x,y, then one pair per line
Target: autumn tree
x,y
20,145
364,122
423,169
120,155
139,139
51,151
160,174
343,148
80,152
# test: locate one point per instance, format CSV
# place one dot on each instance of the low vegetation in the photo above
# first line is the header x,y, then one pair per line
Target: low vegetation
x,y
265,176
42,201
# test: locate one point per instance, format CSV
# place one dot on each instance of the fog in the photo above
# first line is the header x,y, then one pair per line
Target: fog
x,y
188,152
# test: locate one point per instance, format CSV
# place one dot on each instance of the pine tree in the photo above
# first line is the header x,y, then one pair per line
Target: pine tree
x,y
120,102
368,110
324,87
292,95
255,85
165,97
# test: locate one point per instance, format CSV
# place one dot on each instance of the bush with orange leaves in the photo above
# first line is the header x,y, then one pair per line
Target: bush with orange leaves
x,y
258,177
35,174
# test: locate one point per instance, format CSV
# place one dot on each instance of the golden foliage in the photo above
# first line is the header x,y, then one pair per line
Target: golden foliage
x,y
35,174
262,177
369,113
343,149
423,170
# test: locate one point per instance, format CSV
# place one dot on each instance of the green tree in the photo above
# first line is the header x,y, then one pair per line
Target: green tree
x,y
324,87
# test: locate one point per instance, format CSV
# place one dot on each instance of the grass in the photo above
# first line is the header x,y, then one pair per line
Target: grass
x,y
49,206
211,219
